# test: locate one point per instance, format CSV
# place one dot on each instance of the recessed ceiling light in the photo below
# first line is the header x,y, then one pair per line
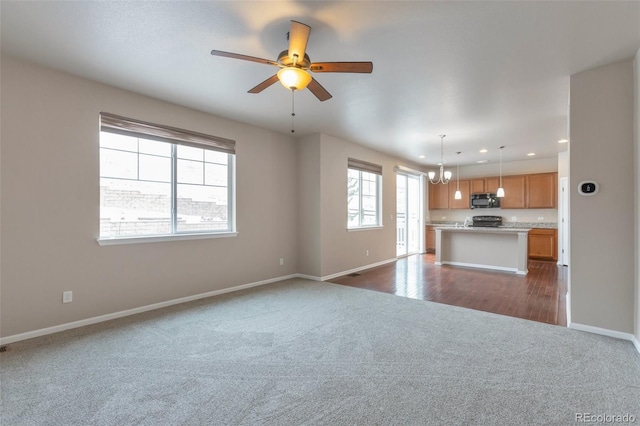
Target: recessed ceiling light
x,y
483,150
531,154
422,156
563,141
482,161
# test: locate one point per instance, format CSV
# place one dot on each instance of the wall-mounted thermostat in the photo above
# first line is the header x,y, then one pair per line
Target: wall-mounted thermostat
x,y
588,187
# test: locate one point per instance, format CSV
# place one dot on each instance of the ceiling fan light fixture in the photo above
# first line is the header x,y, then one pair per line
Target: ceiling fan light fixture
x,y
294,78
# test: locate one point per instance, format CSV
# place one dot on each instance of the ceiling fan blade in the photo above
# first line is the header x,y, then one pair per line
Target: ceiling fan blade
x,y
320,92
268,82
298,38
243,57
362,67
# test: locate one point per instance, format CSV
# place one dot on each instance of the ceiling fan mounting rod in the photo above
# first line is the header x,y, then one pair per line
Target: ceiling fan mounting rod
x,y
285,60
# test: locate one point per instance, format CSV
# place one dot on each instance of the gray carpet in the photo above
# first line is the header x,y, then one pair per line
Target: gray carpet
x,y
308,353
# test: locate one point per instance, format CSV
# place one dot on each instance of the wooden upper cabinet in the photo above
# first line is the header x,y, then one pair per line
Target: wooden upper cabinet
x,y
514,192
439,196
462,203
491,185
542,191
477,186
535,191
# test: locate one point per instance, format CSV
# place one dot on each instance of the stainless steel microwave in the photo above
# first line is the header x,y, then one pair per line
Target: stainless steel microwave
x,y
484,201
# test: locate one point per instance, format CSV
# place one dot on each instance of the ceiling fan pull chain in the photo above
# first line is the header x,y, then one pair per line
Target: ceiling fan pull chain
x,y
293,112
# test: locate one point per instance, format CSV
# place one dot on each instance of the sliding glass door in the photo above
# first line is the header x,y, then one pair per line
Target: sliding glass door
x,y
408,217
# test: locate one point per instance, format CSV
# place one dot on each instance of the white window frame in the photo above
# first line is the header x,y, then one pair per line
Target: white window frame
x,y
147,131
370,168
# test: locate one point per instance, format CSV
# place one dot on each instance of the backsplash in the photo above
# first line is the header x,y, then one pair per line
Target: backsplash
x,y
515,217
545,225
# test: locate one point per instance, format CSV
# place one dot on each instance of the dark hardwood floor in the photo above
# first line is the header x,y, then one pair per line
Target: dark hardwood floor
x,y
538,296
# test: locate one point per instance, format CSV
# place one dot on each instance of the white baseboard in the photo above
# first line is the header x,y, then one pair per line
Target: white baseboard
x,y
606,332
101,318
309,277
350,271
358,269
120,314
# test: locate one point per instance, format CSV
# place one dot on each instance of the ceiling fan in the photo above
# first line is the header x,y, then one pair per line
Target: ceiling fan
x,y
295,65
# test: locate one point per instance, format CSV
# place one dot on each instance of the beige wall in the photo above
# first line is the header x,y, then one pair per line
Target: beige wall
x,y
636,115
326,246
309,209
602,237
50,206
343,250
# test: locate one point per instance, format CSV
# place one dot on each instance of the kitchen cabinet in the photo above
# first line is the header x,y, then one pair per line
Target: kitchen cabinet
x,y
514,192
542,191
462,203
430,239
439,196
543,244
533,191
477,186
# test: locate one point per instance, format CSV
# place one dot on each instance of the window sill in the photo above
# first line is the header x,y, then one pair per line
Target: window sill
x,y
364,228
160,238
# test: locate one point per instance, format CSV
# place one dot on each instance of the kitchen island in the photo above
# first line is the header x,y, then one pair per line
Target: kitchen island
x,y
503,249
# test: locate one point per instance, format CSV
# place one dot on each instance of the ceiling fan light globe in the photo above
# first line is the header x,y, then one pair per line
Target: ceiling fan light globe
x,y
294,78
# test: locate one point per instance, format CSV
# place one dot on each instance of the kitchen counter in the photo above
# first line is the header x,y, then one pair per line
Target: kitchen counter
x,y
501,248
501,229
516,225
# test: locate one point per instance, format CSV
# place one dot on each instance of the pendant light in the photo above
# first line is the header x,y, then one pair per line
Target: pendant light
x,y
445,176
458,194
500,192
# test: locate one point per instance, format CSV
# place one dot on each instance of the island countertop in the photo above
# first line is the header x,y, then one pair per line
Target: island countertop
x,y
503,229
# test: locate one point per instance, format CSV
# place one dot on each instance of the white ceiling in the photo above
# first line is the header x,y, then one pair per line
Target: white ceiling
x,y
484,73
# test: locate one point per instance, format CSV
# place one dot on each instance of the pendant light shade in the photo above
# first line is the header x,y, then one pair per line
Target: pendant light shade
x,y
500,192
458,194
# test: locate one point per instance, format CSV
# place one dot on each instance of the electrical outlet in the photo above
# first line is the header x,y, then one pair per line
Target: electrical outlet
x,y
514,218
367,251
67,296
281,261
540,218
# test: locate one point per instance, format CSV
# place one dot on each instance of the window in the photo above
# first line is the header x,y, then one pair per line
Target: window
x,y
363,194
162,181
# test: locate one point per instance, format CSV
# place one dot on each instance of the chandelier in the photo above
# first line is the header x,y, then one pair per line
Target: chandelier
x,y
445,176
